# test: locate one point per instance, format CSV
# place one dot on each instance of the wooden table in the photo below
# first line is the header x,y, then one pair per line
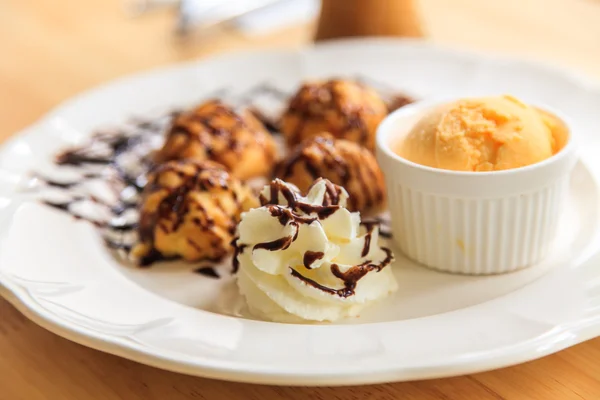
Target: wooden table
x,y
52,49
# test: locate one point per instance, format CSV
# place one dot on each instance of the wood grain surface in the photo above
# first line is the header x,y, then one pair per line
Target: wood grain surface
x,y
52,49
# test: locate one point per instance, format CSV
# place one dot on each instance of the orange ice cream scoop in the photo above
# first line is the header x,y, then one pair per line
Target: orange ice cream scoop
x,y
482,134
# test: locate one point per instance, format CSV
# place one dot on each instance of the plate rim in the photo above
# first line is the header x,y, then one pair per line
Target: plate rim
x,y
512,355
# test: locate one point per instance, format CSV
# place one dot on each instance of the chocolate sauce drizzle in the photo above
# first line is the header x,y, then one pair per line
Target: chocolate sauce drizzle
x,y
288,215
367,245
327,208
121,158
278,244
310,257
264,89
104,160
214,129
271,124
153,256
210,272
196,176
320,157
59,184
350,278
384,224
316,101
238,249
62,206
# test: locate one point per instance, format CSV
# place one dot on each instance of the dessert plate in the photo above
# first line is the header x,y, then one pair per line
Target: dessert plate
x,y
57,271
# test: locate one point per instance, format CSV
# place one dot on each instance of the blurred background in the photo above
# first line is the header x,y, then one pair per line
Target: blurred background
x,y
53,49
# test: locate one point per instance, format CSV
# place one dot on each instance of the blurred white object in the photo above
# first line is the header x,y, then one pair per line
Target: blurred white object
x,y
248,16
280,14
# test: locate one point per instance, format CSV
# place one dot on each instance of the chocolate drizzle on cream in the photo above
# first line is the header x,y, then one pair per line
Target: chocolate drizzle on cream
x,y
350,277
238,249
310,257
383,222
278,244
329,205
367,245
285,203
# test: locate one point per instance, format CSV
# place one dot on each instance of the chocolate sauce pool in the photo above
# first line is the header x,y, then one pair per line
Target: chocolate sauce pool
x,y
107,174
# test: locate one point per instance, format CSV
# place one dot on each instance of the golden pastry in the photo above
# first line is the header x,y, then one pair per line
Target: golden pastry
x,y
214,131
346,109
342,162
190,209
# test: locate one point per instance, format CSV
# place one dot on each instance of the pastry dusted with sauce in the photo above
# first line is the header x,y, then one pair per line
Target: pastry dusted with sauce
x,y
309,258
214,131
342,162
346,109
190,209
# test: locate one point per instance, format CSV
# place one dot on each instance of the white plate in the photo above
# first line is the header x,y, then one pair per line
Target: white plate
x,y
57,271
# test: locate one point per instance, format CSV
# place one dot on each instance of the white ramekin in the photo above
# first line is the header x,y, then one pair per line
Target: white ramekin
x,y
472,222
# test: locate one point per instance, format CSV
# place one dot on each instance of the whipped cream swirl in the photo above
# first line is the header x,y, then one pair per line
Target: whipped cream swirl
x,y
309,258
